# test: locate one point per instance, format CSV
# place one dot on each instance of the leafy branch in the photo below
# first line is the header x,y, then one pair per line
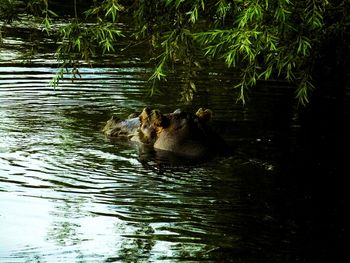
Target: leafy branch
x,y
258,39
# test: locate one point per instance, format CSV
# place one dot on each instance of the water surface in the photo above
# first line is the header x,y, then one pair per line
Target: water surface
x,y
67,194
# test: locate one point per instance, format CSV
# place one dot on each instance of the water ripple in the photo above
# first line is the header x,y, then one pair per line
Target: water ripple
x,y
87,197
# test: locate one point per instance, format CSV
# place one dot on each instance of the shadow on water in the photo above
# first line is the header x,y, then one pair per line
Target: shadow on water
x,y
69,195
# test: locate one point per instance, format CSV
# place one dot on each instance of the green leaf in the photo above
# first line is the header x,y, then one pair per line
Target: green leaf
x,y
77,43
192,85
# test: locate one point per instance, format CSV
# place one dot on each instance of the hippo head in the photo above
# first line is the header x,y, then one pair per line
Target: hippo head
x,y
181,132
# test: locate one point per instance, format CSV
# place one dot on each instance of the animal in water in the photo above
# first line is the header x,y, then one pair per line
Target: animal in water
x,y
181,132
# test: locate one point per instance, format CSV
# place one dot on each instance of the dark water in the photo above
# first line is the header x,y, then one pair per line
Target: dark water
x,y
69,195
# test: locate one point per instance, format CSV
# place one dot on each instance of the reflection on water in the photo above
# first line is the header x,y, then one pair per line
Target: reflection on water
x,y
69,195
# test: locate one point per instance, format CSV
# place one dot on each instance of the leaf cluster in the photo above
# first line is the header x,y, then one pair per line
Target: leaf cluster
x,y
84,38
259,39
267,39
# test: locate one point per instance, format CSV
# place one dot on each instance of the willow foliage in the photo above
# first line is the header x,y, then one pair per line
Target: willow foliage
x,y
258,39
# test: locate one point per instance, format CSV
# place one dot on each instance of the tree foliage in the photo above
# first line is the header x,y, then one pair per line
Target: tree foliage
x,y
258,39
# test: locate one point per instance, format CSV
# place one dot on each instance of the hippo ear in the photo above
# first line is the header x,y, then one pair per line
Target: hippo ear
x,y
144,114
204,115
157,118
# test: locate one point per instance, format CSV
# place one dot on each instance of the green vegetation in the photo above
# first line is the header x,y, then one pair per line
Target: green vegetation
x,y
258,39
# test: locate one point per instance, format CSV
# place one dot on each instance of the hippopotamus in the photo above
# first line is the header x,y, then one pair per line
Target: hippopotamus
x,y
180,132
